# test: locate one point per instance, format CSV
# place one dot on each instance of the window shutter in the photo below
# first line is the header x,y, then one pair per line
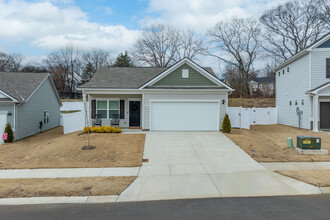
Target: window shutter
x,y
328,67
93,109
122,109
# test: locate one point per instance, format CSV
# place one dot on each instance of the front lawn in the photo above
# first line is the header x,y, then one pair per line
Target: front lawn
x,y
268,143
52,149
86,186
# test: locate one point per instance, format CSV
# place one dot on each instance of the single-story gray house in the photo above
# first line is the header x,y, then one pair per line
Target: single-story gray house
x,y
183,97
303,87
29,102
262,85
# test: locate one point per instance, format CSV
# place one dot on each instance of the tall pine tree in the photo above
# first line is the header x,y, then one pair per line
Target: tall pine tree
x,y
87,74
123,60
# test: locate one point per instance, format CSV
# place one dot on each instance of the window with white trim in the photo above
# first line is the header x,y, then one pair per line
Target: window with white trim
x,y
260,86
107,108
46,117
113,108
101,109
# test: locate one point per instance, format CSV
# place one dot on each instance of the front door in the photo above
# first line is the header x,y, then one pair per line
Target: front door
x,y
134,113
324,115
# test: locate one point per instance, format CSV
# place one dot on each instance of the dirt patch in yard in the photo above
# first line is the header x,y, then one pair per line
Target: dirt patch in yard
x,y
251,102
268,143
314,177
89,186
52,149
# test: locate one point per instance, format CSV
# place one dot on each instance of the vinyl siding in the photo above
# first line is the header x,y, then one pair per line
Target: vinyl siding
x,y
124,123
175,78
9,108
318,66
293,86
31,113
219,96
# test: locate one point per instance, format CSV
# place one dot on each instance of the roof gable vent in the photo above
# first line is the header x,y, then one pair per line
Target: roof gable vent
x,y
185,73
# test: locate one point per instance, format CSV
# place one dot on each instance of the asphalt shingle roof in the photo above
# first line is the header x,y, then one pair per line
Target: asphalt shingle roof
x,y
126,77
263,80
20,85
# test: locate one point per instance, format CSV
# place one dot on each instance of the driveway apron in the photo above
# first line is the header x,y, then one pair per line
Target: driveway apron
x,y
204,164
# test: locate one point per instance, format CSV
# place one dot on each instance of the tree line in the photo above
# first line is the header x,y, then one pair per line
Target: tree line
x,y
237,43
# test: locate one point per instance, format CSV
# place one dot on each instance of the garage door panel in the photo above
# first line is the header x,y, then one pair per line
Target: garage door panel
x,y
184,115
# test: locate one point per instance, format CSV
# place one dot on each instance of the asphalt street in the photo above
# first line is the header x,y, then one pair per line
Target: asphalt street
x,y
285,207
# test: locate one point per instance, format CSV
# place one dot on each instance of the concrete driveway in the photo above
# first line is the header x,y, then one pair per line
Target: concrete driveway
x,y
204,164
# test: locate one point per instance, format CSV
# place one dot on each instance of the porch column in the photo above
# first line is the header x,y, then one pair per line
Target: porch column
x,y
316,110
85,108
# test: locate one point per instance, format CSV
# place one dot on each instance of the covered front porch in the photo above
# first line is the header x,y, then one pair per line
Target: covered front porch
x,y
321,107
106,107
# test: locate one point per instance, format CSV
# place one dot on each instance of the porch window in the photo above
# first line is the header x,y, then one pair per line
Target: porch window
x,y
113,108
101,109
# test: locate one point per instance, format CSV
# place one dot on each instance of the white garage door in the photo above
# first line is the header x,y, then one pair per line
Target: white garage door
x,y
185,116
3,122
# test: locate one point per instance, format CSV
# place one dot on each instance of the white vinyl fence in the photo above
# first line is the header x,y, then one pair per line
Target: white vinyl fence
x,y
244,117
73,122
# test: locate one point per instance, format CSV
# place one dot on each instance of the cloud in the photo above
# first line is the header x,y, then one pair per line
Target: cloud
x,y
108,10
49,26
200,15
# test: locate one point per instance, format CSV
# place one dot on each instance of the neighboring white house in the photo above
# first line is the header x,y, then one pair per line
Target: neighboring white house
x,y
303,83
184,96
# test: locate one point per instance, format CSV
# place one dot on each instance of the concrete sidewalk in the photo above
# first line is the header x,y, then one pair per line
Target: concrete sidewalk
x,y
297,165
69,172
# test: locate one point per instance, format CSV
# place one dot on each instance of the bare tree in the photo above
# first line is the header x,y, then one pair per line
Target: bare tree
x,y
191,46
66,65
10,62
292,26
236,42
162,46
98,58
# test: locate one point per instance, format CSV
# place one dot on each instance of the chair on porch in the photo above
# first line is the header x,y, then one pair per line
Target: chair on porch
x,y
97,121
115,120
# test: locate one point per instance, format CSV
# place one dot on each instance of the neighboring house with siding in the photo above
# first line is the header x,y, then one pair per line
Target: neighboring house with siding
x,y
184,96
263,85
29,102
303,82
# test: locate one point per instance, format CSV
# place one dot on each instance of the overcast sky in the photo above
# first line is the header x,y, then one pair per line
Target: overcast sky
x,y
34,28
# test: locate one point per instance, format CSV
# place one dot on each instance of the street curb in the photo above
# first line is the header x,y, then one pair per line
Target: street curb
x,y
58,200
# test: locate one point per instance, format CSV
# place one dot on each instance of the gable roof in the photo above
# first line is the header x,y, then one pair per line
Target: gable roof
x,y
317,43
192,64
127,77
317,88
263,80
20,86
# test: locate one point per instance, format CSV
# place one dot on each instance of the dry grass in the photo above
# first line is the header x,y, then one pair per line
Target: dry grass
x,y
52,149
252,102
89,186
314,177
268,143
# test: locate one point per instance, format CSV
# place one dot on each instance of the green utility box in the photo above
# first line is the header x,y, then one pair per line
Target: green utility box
x,y
308,143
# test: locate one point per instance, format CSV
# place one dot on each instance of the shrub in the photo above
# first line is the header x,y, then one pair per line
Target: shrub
x,y
102,129
226,126
10,134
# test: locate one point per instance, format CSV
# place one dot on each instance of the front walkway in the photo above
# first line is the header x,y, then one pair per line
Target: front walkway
x,y
69,172
204,164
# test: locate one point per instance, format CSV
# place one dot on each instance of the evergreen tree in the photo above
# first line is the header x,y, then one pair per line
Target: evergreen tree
x,y
226,126
87,74
10,134
123,60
